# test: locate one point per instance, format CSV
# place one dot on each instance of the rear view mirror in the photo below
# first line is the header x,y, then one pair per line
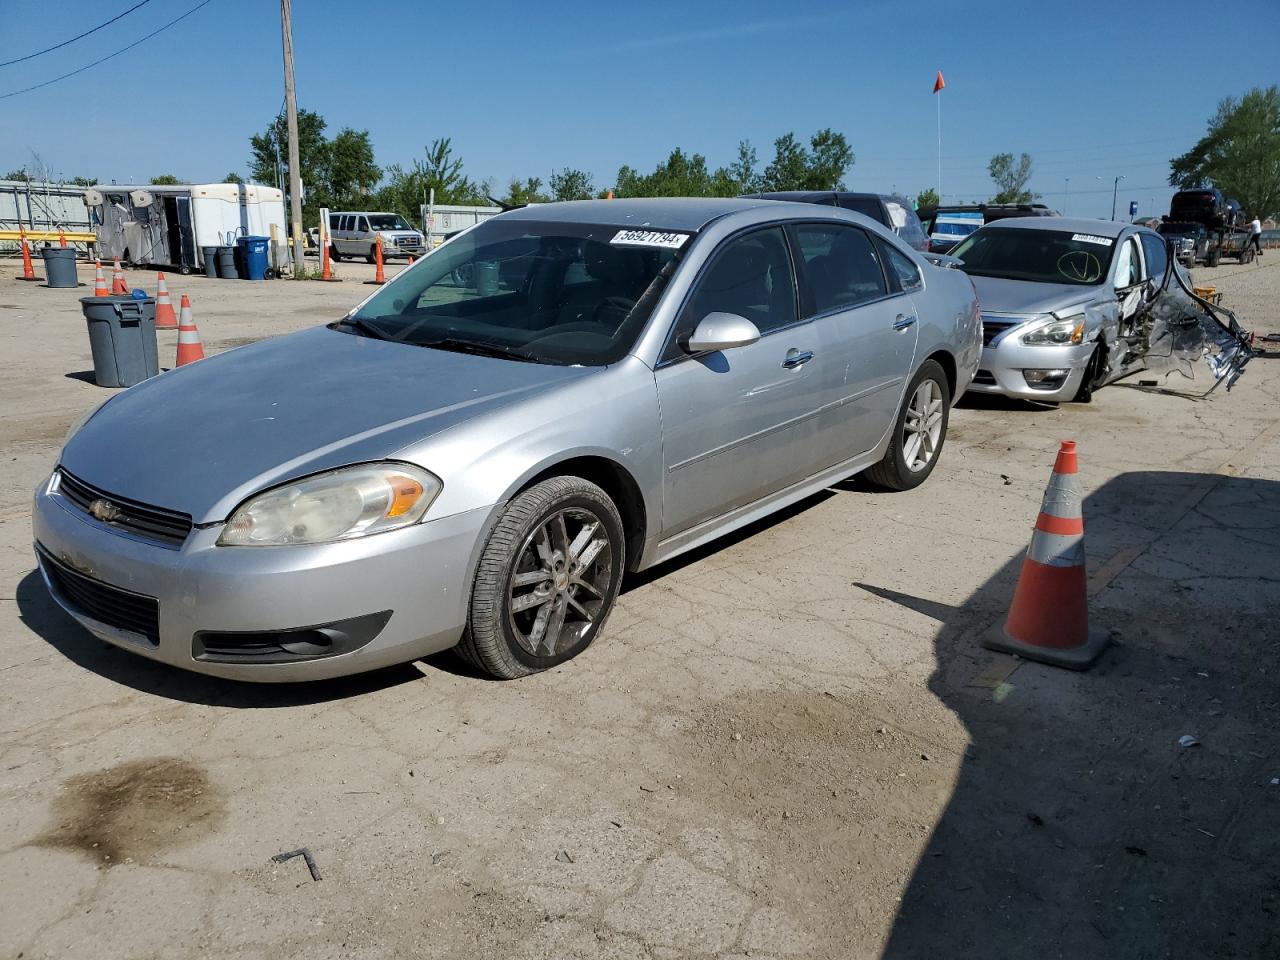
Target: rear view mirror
x,y
722,331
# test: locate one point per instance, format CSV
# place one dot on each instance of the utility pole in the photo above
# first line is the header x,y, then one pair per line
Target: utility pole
x,y
1115,187
291,107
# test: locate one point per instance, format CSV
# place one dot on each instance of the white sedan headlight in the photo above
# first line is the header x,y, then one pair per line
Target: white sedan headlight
x,y
339,505
1057,333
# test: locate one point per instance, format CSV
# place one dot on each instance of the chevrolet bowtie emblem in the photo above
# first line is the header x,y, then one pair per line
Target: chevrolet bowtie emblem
x,y
104,510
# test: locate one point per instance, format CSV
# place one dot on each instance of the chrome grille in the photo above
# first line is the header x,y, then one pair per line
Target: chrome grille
x,y
166,527
992,327
100,601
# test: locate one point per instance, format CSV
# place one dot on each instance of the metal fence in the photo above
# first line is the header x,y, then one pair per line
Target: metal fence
x,y
41,205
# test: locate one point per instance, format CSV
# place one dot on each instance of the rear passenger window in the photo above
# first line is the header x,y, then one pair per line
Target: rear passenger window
x,y
840,265
904,271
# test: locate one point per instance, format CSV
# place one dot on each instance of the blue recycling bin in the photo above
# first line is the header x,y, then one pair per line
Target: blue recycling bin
x,y
253,254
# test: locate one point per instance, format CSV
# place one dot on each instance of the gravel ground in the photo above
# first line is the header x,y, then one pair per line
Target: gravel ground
x,y
791,744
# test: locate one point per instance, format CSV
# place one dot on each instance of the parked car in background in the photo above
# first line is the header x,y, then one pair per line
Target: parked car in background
x,y
440,466
354,235
1206,206
1069,305
891,210
948,225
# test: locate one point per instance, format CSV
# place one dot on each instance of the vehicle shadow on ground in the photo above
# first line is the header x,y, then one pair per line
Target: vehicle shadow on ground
x,y
1078,826
37,610
994,401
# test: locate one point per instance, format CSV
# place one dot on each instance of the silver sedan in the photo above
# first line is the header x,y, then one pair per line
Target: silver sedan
x,y
475,455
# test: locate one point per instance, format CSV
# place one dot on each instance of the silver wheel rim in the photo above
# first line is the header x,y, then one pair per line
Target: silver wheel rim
x,y
559,583
922,427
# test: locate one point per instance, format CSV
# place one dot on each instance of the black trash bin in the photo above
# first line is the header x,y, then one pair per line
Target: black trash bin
x,y
60,266
210,255
122,335
227,263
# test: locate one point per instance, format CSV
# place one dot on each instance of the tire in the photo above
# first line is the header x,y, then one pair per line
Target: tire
x,y
185,270
1212,257
1084,394
333,252
372,254
527,542
893,472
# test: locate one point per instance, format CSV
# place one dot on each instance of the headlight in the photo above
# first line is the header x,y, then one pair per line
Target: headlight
x,y
339,505
1057,333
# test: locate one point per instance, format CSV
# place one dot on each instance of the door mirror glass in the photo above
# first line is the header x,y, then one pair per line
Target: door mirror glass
x,y
722,331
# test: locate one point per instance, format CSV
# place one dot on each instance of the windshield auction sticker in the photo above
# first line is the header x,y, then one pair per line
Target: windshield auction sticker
x,y
1090,238
649,238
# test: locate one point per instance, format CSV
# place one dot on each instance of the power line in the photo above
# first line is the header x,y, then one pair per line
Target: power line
x,y
59,46
14,93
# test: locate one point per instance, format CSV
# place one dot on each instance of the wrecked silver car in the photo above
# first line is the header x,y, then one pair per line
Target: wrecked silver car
x,y
1069,305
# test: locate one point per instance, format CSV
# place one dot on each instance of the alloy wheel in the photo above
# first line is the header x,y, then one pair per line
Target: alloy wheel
x,y
922,426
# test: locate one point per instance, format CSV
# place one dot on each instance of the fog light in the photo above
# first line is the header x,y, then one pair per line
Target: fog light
x,y
1045,379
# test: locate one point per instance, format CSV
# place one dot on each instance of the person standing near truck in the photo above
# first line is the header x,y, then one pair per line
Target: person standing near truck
x,y
1255,236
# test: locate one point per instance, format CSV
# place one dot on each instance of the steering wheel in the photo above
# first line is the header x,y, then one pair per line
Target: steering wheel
x,y
1080,266
623,304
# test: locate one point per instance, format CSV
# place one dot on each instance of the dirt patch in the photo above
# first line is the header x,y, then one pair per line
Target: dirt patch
x,y
134,811
234,342
837,799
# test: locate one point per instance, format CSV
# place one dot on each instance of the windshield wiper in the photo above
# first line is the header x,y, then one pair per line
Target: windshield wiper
x,y
480,348
365,327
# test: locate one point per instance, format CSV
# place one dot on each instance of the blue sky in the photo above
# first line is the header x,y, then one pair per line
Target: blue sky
x,y
1090,89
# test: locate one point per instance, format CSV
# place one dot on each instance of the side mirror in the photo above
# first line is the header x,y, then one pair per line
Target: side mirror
x,y
722,331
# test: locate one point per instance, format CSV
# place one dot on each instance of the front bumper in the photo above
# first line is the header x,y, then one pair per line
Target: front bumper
x,y
421,575
1005,360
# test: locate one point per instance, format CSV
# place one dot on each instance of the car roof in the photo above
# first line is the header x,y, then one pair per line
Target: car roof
x,y
670,213
1100,228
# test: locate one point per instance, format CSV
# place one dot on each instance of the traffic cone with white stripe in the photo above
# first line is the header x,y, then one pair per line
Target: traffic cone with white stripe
x,y
1049,617
166,319
99,281
28,271
118,286
190,349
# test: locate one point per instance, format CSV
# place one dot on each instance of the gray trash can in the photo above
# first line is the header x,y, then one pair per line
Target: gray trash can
x,y
227,263
210,255
60,266
122,335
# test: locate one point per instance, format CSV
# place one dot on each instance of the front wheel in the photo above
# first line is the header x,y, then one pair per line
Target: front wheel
x,y
333,252
918,432
547,579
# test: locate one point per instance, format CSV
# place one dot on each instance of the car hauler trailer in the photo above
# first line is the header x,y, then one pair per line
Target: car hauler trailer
x,y
172,225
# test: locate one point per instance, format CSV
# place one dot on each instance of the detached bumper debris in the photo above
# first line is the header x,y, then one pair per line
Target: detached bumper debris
x,y
305,854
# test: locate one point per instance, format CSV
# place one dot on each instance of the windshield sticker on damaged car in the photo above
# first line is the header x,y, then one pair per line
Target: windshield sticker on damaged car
x,y
1090,238
649,238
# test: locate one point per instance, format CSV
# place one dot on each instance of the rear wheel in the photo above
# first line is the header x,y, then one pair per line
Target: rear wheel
x,y
1212,257
919,431
333,252
547,579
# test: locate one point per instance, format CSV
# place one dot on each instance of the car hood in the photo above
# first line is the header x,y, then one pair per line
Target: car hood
x,y
201,438
998,295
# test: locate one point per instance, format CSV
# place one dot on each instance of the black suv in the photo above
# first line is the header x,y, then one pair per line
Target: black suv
x,y
1207,206
893,211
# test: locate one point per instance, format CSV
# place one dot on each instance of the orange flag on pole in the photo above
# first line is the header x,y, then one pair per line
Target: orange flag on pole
x,y
939,83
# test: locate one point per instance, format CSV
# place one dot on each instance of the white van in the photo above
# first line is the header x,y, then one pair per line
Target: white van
x,y
353,234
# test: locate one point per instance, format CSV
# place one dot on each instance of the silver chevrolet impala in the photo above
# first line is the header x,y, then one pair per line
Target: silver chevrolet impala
x,y
475,455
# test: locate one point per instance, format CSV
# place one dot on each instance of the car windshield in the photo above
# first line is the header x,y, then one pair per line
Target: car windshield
x,y
1038,256
388,221
560,293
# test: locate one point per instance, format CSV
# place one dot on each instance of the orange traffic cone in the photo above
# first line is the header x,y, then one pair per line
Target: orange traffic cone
x,y
99,281
190,349
1049,617
166,319
379,275
609,195
62,238
118,286
28,271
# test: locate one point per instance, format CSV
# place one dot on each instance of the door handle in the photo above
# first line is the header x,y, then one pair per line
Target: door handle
x,y
901,322
797,358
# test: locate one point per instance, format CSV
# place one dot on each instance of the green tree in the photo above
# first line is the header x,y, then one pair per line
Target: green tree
x,y
351,174
927,198
1011,178
313,159
681,175
820,167
1240,154
408,188
519,194
166,179
233,177
743,169
20,175
571,184
84,181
